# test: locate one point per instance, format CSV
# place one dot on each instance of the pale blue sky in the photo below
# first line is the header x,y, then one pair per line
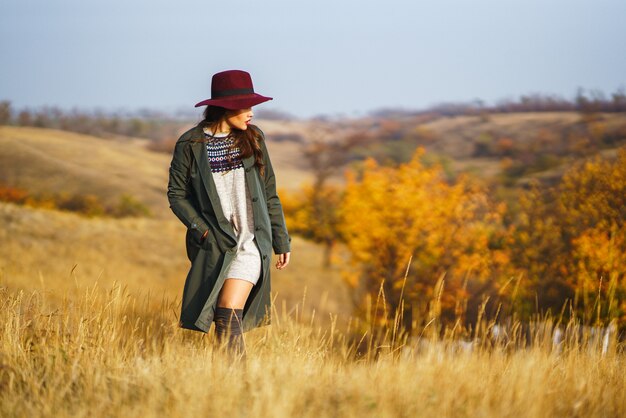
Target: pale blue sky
x,y
314,57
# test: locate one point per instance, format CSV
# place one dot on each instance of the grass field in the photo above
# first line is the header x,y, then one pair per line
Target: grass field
x,y
88,327
115,354
59,252
89,309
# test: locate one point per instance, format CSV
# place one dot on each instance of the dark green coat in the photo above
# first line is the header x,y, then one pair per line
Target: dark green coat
x,y
194,199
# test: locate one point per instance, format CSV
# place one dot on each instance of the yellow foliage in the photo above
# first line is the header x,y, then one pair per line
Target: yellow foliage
x,y
594,196
570,242
394,213
312,211
601,253
312,214
601,271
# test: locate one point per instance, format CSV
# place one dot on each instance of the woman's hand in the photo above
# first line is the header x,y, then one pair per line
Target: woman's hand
x,y
283,260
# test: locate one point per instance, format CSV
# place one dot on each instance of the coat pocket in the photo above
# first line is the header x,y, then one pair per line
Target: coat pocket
x,y
194,239
192,244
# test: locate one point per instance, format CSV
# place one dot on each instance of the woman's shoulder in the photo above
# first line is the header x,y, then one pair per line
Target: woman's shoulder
x,y
193,134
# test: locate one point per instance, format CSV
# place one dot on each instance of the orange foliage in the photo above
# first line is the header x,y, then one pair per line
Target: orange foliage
x,y
505,146
571,244
312,213
393,214
13,194
594,196
593,210
88,205
564,246
601,273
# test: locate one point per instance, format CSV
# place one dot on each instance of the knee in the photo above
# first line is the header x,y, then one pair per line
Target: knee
x,y
230,303
230,300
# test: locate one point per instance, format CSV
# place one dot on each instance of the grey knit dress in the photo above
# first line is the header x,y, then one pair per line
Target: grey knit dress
x,y
230,181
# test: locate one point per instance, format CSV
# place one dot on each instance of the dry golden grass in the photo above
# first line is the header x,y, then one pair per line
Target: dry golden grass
x,y
50,250
114,354
69,347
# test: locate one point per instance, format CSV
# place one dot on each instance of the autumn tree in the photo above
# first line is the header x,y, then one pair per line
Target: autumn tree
x,y
536,247
395,214
313,211
570,244
25,118
6,113
592,207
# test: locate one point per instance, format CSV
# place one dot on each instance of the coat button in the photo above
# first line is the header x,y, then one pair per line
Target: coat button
x,y
264,256
254,199
258,228
248,170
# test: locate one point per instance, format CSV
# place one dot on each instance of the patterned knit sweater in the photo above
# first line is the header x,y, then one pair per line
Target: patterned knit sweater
x,y
230,181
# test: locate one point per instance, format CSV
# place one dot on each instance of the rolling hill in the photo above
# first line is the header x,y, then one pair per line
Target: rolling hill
x,y
43,160
52,161
61,251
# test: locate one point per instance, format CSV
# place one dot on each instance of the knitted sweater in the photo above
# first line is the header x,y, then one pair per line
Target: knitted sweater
x,y
228,174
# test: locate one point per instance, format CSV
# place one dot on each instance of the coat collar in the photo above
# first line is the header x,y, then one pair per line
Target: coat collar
x,y
204,167
196,138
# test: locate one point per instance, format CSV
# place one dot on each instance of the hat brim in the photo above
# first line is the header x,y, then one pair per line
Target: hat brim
x,y
242,101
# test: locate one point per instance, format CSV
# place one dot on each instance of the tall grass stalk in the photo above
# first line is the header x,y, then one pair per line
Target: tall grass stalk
x,y
113,353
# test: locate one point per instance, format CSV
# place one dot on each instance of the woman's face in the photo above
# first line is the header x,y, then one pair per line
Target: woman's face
x,y
239,119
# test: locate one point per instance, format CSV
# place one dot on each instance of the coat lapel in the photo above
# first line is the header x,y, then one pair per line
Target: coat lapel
x,y
248,162
204,167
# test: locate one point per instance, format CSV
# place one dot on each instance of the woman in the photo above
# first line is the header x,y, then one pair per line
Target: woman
x,y
222,187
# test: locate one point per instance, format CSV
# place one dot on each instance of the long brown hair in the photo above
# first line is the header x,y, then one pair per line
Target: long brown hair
x,y
247,141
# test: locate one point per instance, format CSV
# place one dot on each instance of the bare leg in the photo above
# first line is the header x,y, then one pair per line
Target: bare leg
x,y
234,293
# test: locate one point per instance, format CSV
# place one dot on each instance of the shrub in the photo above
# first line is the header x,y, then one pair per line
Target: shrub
x,y
89,205
13,194
128,206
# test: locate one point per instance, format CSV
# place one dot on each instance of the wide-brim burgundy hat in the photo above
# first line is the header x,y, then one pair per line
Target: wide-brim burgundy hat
x,y
233,90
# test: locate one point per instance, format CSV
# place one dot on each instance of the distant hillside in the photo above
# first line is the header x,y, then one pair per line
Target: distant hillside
x,y
510,146
507,147
52,161
49,161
